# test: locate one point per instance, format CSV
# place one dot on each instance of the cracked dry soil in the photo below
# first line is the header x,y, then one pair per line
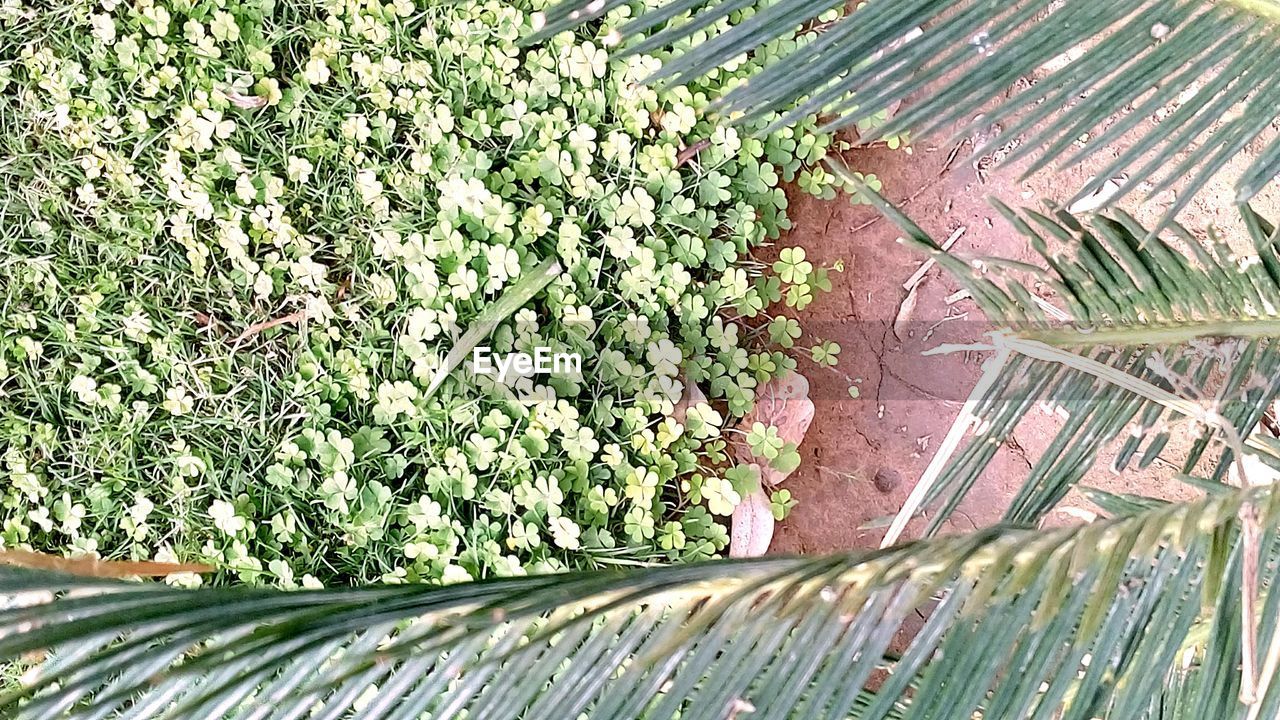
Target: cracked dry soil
x,y
863,455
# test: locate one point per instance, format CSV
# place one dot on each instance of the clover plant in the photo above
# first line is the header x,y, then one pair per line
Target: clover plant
x,y
239,236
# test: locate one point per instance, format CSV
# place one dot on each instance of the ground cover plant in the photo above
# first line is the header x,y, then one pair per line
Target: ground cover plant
x,y
1152,610
239,238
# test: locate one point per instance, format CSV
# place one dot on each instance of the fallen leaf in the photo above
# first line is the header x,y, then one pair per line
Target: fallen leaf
x,y
512,299
739,706
691,396
905,310
784,403
1099,198
752,528
245,102
1256,472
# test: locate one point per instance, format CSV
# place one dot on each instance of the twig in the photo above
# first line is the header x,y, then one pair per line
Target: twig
x,y
928,264
870,222
880,216
245,102
1050,309
1269,667
1250,539
1250,534
95,567
1272,662
254,329
951,158
691,152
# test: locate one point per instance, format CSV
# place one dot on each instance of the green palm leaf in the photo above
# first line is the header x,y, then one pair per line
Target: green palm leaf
x,y
1154,335
1127,59
1082,622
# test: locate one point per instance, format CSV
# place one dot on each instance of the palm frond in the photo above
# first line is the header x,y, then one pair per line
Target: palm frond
x,y
1107,67
1160,335
1087,622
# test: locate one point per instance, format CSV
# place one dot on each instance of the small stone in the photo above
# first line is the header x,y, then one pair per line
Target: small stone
x,y
887,479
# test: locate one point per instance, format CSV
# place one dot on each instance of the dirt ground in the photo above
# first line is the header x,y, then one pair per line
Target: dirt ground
x,y
862,455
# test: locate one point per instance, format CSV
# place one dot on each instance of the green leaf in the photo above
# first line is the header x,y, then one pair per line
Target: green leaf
x,y
522,291
787,460
1104,620
1145,336
1206,67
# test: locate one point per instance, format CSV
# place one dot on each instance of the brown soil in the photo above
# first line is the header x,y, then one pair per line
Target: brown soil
x,y
862,456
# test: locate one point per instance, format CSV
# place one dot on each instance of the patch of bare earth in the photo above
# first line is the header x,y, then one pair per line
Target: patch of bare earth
x,y
862,455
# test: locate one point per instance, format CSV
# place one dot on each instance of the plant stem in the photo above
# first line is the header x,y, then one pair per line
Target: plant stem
x,y
1156,335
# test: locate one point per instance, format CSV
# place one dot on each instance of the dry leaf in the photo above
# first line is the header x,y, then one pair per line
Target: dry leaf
x,y
739,706
784,403
905,310
691,396
1256,471
93,567
752,529
245,102
1100,197
928,264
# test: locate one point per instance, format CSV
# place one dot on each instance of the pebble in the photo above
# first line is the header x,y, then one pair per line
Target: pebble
x,y
886,479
